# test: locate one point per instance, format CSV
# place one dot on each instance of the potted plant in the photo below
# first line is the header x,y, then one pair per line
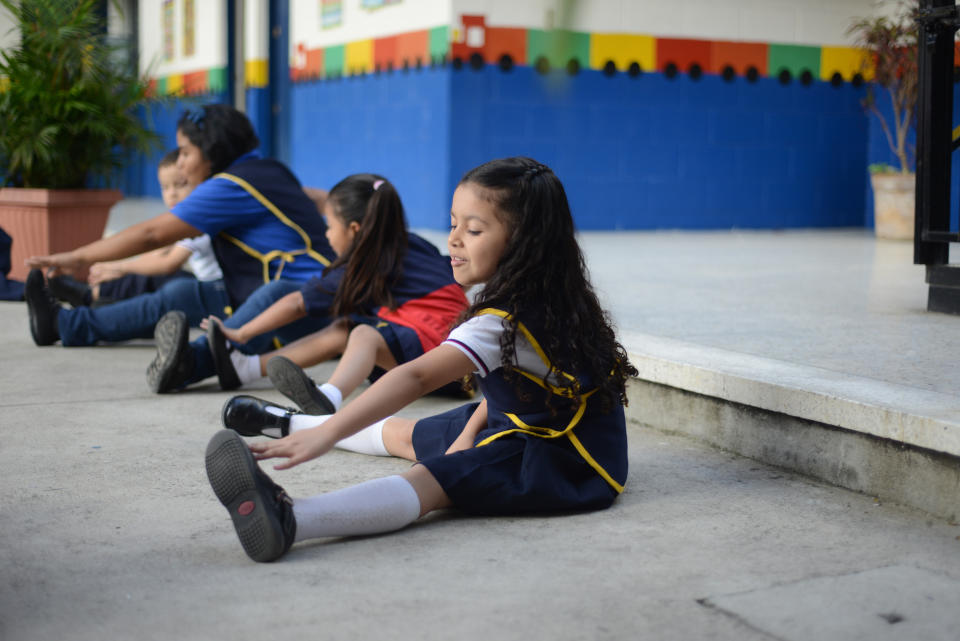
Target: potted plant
x,y
68,120
891,47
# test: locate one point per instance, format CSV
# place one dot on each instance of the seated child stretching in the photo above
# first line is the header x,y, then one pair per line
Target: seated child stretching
x,y
392,293
122,279
550,434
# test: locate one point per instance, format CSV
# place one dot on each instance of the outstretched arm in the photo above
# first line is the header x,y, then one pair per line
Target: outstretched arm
x,y
478,421
288,309
159,262
393,391
151,234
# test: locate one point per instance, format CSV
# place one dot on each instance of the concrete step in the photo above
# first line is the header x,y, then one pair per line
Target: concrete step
x,y
895,442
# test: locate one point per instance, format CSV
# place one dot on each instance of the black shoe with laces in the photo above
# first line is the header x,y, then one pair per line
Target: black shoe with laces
x,y
290,379
261,510
71,290
249,416
172,367
43,309
220,349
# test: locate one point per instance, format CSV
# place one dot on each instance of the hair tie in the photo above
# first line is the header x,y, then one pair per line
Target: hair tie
x,y
376,184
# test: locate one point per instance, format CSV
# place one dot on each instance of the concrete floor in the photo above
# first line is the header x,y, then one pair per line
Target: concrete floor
x,y
108,528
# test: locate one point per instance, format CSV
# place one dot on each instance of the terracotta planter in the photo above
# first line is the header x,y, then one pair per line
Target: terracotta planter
x,y
893,205
46,221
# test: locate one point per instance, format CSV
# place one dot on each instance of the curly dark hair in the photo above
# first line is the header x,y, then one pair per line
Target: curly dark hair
x,y
222,134
543,267
374,261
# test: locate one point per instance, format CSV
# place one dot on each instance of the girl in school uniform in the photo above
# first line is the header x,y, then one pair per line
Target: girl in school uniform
x,y
549,435
391,291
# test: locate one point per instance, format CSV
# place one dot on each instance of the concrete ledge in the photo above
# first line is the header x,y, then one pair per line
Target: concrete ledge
x,y
902,414
879,467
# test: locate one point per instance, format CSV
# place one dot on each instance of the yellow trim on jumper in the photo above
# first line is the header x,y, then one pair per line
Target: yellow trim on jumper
x,y
250,189
546,432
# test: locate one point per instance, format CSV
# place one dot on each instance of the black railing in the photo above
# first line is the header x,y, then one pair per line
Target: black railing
x,y
938,22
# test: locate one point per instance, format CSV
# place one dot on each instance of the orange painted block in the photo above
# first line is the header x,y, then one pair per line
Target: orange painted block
x,y
956,54
385,53
314,63
195,83
739,55
413,46
505,40
682,53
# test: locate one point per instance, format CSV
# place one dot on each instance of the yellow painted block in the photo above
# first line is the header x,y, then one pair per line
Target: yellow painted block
x,y
623,49
359,56
257,73
847,60
175,83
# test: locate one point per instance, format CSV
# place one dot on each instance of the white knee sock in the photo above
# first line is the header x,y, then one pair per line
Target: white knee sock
x,y
306,421
333,393
369,440
247,366
380,505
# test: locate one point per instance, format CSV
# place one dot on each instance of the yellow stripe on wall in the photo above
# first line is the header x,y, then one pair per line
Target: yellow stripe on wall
x,y
175,83
359,56
847,60
623,49
257,74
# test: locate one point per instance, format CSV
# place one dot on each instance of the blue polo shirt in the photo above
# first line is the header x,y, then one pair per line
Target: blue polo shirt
x,y
274,218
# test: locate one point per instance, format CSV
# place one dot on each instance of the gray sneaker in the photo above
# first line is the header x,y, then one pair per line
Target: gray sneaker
x,y
293,382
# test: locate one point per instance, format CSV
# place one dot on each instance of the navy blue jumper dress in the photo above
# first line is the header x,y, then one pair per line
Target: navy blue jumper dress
x,y
527,460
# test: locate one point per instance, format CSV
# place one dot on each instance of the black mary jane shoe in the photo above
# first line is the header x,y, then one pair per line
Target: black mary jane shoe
x,y
250,416
220,350
42,309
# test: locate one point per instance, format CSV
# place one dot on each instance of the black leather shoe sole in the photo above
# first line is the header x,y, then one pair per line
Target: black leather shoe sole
x,y
165,372
42,309
226,372
248,415
251,502
290,379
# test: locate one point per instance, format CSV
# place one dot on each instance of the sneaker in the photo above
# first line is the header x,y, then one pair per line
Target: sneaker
x,y
251,416
293,382
43,309
71,290
261,510
220,349
173,365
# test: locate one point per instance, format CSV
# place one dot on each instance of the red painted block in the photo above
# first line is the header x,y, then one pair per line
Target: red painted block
x,y
505,40
682,53
461,49
195,83
314,66
385,53
413,46
956,54
739,55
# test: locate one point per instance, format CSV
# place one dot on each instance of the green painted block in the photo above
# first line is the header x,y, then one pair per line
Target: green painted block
x,y
162,86
334,60
439,42
794,58
558,47
217,79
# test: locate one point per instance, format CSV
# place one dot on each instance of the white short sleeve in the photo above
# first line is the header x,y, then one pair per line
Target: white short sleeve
x,y
203,262
479,339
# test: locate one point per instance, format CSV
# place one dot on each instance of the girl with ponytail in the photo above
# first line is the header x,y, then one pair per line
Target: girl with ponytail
x,y
391,294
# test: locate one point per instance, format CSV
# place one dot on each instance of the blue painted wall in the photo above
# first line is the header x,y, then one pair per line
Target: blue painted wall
x,y
394,124
634,153
650,152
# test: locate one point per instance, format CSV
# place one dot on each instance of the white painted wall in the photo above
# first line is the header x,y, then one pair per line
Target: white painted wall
x,y
210,38
812,22
359,23
256,30
9,37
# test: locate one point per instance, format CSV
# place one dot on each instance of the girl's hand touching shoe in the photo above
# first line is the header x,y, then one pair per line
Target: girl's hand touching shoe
x,y
233,335
297,448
